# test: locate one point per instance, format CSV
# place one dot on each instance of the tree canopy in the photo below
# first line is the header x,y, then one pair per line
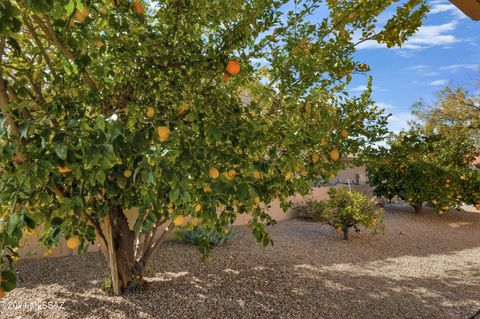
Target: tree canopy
x,y
178,108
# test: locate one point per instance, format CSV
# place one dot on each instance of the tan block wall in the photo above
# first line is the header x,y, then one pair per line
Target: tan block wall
x,y
34,249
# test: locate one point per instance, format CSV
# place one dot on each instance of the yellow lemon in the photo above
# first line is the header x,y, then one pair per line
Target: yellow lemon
x,y
150,112
207,189
344,133
73,242
257,175
163,133
335,154
315,158
198,207
257,200
127,173
179,220
99,44
214,173
289,177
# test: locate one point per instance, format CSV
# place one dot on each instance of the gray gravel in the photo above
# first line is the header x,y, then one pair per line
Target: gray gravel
x,y
423,267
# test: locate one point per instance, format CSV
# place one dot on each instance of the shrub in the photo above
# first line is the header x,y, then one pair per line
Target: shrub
x,y
311,209
202,234
348,208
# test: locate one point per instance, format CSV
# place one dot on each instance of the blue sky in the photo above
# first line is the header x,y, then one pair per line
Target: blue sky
x,y
445,51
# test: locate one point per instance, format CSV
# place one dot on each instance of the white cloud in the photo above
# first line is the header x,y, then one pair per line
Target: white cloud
x,y
399,121
438,82
441,6
417,67
456,67
426,37
385,106
359,88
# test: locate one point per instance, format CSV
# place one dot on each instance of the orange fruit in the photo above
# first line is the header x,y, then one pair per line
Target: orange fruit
x,y
2,293
257,200
127,173
214,173
150,112
137,6
315,158
233,67
73,242
335,154
289,177
163,133
338,229
99,44
64,170
226,78
344,133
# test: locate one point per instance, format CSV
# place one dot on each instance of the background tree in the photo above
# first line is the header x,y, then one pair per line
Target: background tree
x,y
111,105
426,168
455,112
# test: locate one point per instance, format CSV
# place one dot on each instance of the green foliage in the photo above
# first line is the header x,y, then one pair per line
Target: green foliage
x,y
105,108
201,235
349,208
311,209
426,168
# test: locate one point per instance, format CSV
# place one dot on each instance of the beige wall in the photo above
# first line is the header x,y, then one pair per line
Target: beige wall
x,y
33,249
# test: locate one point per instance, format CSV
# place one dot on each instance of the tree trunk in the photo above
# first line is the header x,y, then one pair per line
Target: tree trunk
x,y
120,250
418,208
345,234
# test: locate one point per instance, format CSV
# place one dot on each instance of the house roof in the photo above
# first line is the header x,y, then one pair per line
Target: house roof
x,y
470,7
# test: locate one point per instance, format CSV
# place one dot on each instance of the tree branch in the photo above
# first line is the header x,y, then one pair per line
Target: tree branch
x,y
50,33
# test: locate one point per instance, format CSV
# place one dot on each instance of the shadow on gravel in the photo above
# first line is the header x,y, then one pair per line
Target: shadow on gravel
x,y
421,268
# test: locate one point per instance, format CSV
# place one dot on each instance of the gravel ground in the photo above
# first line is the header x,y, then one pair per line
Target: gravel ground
x,y
423,267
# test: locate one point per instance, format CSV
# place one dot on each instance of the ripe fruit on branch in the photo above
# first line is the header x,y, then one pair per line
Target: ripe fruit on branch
x,y
179,220
344,133
127,173
214,173
73,242
334,154
150,112
81,15
64,170
233,67
163,133
137,6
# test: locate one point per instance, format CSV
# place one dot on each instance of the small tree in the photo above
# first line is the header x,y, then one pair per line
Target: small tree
x,y
113,105
348,208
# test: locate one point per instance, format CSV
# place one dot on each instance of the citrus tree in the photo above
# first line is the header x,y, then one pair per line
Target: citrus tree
x,y
347,208
426,168
177,108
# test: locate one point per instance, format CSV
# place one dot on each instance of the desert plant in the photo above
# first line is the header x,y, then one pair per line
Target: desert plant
x,y
311,209
348,208
200,235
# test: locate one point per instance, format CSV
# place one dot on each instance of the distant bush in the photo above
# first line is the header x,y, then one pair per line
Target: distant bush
x,y
348,208
201,234
311,209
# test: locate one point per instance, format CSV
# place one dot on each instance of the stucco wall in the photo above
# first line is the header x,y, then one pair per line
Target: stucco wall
x,y
33,249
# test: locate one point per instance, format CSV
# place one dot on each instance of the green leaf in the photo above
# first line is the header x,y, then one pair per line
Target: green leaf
x,y
61,151
9,281
100,176
174,195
